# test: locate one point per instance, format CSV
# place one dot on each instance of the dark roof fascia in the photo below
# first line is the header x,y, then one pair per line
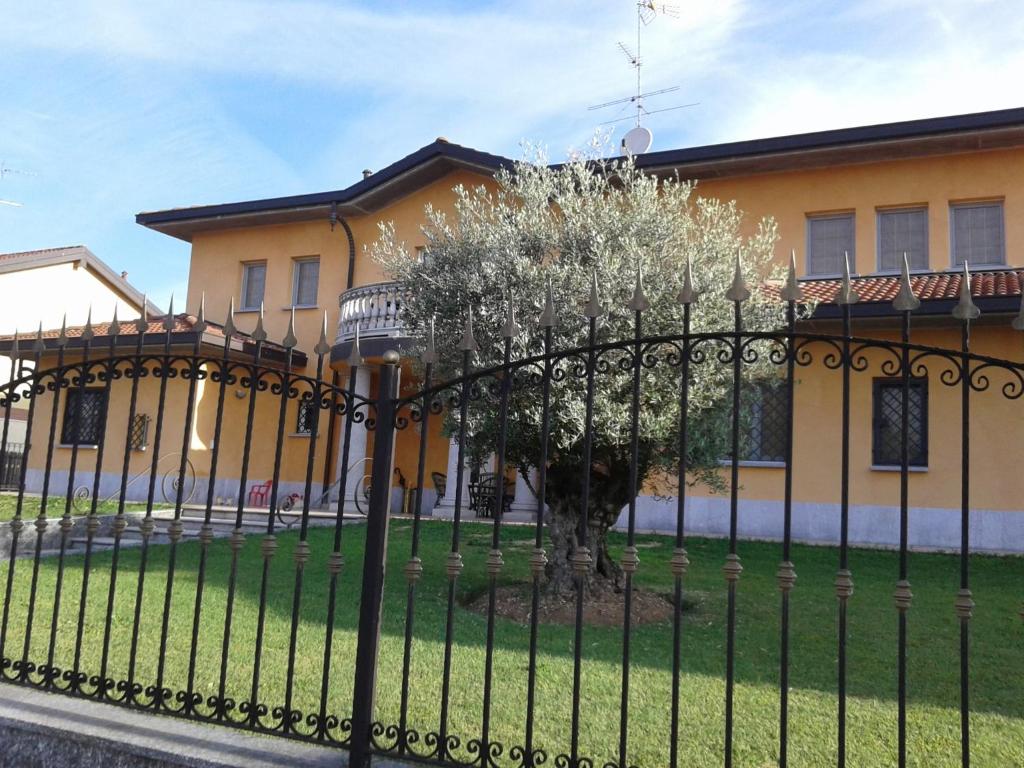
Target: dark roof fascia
x,y
996,305
439,149
867,134
149,342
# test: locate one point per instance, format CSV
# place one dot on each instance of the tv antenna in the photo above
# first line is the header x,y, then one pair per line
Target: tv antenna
x,y
5,171
638,139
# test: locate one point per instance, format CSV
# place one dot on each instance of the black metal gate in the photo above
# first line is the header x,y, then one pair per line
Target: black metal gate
x,y
246,622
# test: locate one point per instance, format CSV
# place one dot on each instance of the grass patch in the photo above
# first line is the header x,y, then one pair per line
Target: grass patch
x,y
997,648
55,507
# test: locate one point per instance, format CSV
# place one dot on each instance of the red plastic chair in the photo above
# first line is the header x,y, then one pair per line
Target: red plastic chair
x,y
259,494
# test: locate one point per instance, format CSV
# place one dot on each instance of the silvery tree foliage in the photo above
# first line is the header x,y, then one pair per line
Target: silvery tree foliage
x,y
539,228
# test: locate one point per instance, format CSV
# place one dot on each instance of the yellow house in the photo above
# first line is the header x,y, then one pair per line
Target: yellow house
x,y
944,191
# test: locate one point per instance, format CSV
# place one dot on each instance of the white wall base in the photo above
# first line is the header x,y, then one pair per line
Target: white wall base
x,y
875,526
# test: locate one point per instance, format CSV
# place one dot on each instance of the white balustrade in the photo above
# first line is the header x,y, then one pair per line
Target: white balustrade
x,y
374,308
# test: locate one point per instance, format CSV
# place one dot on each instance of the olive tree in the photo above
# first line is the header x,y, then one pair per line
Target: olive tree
x,y
544,230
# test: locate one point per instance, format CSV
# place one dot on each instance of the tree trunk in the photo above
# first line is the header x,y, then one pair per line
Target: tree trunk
x,y
608,495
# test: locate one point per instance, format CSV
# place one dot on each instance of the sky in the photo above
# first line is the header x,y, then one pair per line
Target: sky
x,y
111,107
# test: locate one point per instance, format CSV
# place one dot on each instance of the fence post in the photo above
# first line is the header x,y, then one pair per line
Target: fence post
x,y
375,553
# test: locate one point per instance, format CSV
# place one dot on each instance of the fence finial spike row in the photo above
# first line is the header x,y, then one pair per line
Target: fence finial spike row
x,y
289,341
229,323
548,319
906,301
511,328
323,347
738,291
88,334
593,308
966,309
430,353
355,356
468,343
142,324
846,293
115,325
200,324
169,317
688,293
39,346
639,302
258,333
791,291
62,338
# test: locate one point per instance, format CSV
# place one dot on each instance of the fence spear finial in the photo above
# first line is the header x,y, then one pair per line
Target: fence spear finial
x,y
289,341
547,315
62,338
39,346
142,323
511,328
323,347
966,309
14,346
430,353
169,317
791,291
115,325
200,324
87,332
593,308
906,301
688,293
355,356
738,291
468,343
1018,321
258,333
639,302
846,295
229,323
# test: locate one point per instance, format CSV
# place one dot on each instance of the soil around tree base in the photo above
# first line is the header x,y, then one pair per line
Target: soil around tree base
x,y
605,608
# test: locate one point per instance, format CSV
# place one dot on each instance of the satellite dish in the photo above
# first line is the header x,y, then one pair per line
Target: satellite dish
x,y
637,141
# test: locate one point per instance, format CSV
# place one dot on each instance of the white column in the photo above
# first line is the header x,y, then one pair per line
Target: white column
x,y
357,466
524,505
445,507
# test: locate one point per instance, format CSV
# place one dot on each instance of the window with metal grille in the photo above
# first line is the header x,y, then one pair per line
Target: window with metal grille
x,y
829,238
764,419
305,417
140,432
977,233
305,280
84,415
254,281
899,232
887,443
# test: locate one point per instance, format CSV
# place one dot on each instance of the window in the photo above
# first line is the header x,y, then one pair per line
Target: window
x,y
764,422
976,231
305,280
305,417
888,411
254,280
84,416
140,432
421,254
899,232
828,239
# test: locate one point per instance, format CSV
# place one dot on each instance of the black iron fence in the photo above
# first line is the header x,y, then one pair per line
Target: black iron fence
x,y
186,610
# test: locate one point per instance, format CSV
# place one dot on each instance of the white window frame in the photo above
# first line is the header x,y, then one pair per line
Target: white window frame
x,y
952,231
879,213
246,266
296,267
851,252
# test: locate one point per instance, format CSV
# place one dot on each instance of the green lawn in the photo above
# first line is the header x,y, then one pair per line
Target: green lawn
x,y
55,506
997,658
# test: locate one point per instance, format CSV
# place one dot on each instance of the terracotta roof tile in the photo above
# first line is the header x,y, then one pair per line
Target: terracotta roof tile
x,y
927,287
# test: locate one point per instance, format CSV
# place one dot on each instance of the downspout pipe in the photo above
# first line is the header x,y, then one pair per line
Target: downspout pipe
x,y
336,219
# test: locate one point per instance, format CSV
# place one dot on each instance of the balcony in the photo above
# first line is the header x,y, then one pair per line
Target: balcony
x,y
375,310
